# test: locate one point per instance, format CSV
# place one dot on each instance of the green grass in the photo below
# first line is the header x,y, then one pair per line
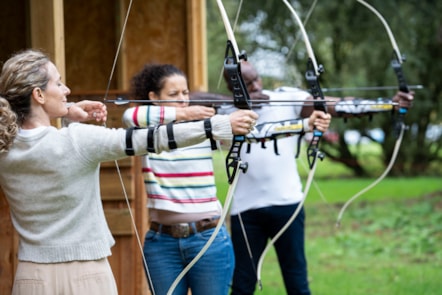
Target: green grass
x,y
334,183
389,241
382,247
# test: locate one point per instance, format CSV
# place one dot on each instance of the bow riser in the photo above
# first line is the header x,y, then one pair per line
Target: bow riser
x,y
319,105
241,99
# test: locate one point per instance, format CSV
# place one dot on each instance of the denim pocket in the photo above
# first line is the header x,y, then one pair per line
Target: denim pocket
x,y
222,234
152,236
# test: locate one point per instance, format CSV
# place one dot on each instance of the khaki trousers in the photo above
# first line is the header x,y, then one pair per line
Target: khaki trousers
x,y
69,278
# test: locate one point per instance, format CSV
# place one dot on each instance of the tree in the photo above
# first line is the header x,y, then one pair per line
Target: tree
x,y
352,44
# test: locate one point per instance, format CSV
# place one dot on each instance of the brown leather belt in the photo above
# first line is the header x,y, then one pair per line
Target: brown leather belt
x,y
183,230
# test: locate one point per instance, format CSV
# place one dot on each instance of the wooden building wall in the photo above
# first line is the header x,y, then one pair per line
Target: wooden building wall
x,y
162,31
82,36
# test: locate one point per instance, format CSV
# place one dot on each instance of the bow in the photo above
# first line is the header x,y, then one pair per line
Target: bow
x,y
399,126
233,161
312,74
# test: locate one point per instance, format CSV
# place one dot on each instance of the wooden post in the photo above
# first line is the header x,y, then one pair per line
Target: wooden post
x,y
47,16
47,30
197,45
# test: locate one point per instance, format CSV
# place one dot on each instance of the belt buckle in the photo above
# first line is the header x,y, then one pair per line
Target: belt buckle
x,y
181,230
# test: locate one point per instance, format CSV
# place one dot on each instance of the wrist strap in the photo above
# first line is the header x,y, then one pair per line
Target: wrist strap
x,y
208,130
130,151
170,137
150,141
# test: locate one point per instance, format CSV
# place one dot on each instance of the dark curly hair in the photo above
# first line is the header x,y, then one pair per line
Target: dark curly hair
x,y
152,78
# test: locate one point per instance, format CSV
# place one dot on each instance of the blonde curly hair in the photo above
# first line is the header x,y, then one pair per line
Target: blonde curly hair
x,y
8,125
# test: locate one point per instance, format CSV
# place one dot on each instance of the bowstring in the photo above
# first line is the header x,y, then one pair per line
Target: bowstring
x,y
298,36
120,177
209,242
289,222
233,29
379,179
249,249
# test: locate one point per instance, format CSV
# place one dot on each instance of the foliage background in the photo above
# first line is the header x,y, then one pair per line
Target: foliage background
x,y
354,48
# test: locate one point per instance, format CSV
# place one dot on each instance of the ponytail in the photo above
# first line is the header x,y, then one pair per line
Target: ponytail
x,y
8,125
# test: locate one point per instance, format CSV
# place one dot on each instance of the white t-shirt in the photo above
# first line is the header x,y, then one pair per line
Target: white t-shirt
x,y
271,179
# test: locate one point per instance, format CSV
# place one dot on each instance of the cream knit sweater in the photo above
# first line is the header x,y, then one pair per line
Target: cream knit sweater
x,y
51,182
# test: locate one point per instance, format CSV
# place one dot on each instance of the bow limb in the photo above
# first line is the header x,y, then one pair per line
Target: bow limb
x,y
313,153
396,64
387,28
140,245
307,17
374,183
308,46
312,75
233,31
229,30
399,127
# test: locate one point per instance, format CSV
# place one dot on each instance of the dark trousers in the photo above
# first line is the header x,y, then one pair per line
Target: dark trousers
x,y
261,225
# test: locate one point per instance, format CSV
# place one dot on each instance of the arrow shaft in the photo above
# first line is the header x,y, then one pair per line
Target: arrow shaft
x,y
225,102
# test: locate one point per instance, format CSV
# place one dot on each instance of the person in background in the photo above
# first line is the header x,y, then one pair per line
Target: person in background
x,y
50,176
262,210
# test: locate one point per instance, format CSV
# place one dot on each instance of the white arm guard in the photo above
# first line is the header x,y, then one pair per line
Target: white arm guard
x,y
363,106
274,130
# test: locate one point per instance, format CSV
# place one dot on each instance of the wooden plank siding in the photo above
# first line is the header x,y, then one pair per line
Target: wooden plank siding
x,y
81,36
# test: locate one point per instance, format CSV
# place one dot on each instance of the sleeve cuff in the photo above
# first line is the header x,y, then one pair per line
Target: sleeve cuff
x,y
306,125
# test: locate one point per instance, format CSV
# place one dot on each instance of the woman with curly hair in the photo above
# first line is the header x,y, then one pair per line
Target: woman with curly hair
x,y
184,209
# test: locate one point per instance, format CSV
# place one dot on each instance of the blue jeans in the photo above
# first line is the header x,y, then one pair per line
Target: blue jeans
x,y
167,256
260,226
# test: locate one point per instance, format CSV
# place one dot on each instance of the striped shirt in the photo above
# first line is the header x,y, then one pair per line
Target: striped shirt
x,y
181,180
